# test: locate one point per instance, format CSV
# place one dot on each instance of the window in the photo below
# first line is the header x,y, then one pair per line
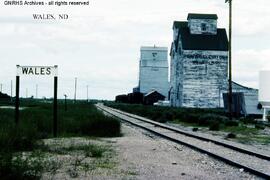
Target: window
x,y
203,27
154,56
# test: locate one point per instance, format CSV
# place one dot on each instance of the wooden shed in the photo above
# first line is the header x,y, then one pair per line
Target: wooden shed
x,y
152,97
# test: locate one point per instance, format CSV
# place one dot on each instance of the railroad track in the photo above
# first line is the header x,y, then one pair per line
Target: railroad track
x,y
253,162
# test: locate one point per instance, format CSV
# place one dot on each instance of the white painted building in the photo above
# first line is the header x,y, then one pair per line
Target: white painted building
x,y
199,62
199,65
153,69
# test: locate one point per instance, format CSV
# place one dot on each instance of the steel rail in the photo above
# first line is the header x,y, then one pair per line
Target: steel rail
x,y
262,156
218,157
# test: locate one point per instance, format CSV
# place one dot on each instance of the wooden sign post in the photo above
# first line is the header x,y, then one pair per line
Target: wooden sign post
x,y
55,107
37,71
17,100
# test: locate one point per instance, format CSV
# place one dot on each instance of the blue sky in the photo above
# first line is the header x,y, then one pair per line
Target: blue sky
x,y
100,44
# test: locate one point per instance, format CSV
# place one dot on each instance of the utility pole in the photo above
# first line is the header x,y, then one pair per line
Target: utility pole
x,y
1,87
36,91
75,93
87,92
230,59
65,102
11,89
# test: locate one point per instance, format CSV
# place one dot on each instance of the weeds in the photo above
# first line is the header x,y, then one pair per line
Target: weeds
x,y
90,150
26,166
81,119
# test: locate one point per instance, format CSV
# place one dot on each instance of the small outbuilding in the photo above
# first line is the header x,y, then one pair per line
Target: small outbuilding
x,y
135,98
123,98
153,97
4,97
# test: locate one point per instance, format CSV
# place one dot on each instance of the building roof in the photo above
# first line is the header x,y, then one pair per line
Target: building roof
x,y
153,48
202,16
218,42
154,92
244,87
180,24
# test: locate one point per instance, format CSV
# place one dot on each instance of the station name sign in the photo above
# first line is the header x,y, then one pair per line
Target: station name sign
x,y
37,70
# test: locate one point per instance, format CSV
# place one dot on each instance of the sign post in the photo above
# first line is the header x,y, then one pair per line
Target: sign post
x,y
17,100
55,105
37,71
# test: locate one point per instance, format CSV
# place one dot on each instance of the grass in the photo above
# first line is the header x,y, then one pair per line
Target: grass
x,y
87,157
90,150
263,140
241,129
80,119
248,135
194,116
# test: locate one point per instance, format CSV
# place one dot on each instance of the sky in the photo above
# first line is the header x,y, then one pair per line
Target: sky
x,y
100,44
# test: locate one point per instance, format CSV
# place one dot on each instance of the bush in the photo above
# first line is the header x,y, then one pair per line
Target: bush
x,y
192,118
231,135
231,123
101,127
208,119
161,120
260,126
214,126
18,138
83,119
247,120
168,116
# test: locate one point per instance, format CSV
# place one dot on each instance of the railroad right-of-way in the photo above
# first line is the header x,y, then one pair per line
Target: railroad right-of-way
x,y
253,162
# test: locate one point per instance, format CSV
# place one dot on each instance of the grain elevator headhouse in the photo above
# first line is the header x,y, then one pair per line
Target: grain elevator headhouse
x,y
199,62
153,75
